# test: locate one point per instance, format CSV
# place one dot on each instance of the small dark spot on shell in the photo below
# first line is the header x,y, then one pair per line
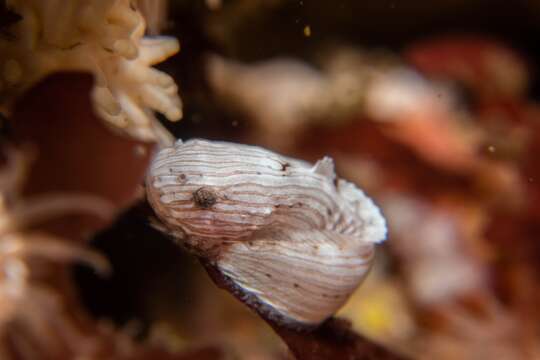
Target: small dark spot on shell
x,y
268,275
204,198
181,178
296,285
328,212
259,173
285,166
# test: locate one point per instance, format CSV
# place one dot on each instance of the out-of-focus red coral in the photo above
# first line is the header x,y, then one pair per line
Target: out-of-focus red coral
x,y
438,139
476,163
484,65
401,168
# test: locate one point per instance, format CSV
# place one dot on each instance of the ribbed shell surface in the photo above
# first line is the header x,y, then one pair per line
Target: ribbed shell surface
x,y
254,212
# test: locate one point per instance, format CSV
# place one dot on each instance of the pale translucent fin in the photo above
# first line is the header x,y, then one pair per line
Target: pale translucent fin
x,y
375,230
325,167
297,276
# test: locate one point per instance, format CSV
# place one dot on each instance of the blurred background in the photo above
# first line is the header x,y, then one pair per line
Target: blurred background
x,y
430,107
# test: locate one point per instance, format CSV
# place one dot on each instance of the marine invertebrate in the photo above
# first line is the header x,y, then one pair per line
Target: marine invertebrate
x,y
28,304
104,38
488,67
290,236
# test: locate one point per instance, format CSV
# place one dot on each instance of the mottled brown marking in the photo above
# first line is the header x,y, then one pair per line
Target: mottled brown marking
x,y
204,198
182,179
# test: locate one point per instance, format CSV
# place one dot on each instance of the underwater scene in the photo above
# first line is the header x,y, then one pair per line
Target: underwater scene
x,y
269,179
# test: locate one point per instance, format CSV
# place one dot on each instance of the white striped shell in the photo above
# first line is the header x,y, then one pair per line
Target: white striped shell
x,y
296,240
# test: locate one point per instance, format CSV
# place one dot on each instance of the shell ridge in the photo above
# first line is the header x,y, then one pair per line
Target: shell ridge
x,y
284,272
292,238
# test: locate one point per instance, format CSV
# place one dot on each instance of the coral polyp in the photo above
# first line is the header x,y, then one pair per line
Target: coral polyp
x,y
28,303
105,38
